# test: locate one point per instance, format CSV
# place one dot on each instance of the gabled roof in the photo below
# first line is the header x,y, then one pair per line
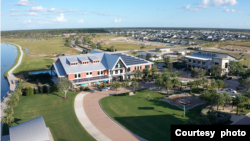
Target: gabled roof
x,y
83,58
32,130
72,59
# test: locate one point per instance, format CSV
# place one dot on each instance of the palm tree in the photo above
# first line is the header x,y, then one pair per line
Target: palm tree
x,y
247,94
147,71
18,91
227,98
205,97
154,70
11,103
214,84
198,82
8,111
155,56
116,85
191,84
125,84
139,73
134,84
238,101
7,119
175,82
159,82
219,100
207,86
221,84
204,81
168,84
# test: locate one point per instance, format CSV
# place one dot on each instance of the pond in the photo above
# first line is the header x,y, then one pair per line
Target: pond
x,y
8,57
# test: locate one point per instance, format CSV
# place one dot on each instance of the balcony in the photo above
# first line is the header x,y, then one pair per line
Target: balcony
x,y
90,79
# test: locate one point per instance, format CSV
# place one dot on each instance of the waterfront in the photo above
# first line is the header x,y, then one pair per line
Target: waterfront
x,y
8,57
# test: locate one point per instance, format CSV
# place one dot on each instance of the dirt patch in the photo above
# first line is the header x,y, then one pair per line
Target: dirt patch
x,y
20,76
54,59
235,48
63,98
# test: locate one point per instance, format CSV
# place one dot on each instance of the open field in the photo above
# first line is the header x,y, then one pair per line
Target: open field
x,y
126,46
59,115
40,54
148,119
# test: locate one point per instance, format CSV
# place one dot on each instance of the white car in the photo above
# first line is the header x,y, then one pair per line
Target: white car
x,y
231,90
105,89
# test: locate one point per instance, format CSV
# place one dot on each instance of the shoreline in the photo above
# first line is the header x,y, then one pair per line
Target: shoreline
x,y
17,58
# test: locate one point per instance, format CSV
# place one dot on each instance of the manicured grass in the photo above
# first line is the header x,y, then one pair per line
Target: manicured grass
x,y
148,119
126,46
40,54
59,115
105,36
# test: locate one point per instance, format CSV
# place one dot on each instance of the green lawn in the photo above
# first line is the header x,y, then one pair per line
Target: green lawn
x,y
148,119
59,115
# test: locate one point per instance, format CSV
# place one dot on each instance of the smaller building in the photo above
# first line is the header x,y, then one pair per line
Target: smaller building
x,y
162,49
152,58
32,130
182,52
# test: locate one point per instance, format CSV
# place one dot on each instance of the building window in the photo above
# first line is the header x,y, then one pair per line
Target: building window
x,y
147,66
194,61
121,71
90,73
140,67
116,72
199,62
128,69
189,60
203,63
216,63
98,72
75,75
137,67
226,65
101,72
87,73
79,75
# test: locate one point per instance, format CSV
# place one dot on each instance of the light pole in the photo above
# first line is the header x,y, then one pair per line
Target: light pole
x,y
184,110
148,94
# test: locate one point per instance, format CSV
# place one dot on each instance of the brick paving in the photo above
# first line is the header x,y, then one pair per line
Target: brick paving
x,y
101,121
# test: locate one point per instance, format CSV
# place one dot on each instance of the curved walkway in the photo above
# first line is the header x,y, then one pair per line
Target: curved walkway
x,y
84,120
102,122
10,74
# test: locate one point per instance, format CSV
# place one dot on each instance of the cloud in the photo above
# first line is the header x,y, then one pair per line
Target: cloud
x,y
84,13
248,24
43,22
221,24
117,20
25,3
28,21
15,14
161,9
204,4
15,10
224,7
240,12
80,21
60,18
31,13
224,2
102,14
228,10
61,10
187,7
158,8
38,9
165,9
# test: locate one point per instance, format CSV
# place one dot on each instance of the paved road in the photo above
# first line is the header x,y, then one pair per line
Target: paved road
x,y
243,121
101,121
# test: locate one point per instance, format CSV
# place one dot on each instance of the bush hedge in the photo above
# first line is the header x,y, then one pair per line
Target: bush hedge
x,y
223,119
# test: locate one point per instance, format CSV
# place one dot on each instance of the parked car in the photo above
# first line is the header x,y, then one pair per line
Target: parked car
x,y
146,80
152,80
105,89
231,90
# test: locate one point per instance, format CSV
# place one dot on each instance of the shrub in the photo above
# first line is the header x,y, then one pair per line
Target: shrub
x,y
45,89
86,88
19,92
36,90
53,88
81,88
223,117
40,89
29,91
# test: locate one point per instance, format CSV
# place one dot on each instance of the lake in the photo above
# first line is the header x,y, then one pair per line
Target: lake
x,y
8,57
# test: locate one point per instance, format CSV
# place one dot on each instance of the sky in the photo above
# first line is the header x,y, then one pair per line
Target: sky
x,y
54,14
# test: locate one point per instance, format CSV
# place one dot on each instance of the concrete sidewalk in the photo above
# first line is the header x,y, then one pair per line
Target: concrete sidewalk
x,y
84,120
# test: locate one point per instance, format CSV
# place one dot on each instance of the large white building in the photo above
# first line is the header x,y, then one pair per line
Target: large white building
x,y
205,60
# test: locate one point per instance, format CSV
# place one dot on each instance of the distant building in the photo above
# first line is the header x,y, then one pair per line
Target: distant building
x,y
162,49
69,34
152,58
182,52
205,60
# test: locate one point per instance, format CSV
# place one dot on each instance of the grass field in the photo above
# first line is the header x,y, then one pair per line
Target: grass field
x,y
126,46
151,119
59,115
40,54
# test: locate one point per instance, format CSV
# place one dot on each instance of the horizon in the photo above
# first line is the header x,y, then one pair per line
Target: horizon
x,y
39,15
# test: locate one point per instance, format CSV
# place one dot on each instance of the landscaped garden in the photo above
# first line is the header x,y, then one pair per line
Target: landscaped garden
x,y
149,119
59,115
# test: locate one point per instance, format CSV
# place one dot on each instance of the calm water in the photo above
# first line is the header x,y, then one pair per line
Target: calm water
x,y
8,57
